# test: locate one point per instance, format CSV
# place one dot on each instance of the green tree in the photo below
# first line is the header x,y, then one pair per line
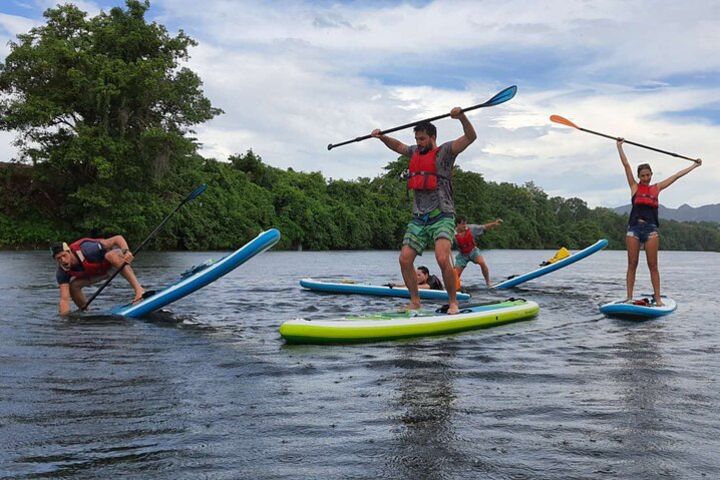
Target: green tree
x,y
103,108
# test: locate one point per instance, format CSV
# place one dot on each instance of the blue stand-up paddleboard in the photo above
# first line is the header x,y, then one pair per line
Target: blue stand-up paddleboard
x,y
639,309
201,277
348,288
539,272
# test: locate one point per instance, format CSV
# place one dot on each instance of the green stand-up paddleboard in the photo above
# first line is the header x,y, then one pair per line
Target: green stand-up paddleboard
x,y
395,325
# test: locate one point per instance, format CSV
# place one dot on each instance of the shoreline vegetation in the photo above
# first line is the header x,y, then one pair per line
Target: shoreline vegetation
x,y
104,107
246,196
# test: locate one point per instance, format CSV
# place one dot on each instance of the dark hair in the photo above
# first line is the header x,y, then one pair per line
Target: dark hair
x,y
56,248
462,219
644,166
425,270
426,127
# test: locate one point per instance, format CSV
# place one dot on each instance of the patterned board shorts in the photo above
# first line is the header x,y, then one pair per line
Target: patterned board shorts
x,y
461,260
419,234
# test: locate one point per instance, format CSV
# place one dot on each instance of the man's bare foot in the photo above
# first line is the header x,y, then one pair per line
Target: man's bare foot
x,y
138,296
658,302
413,306
453,309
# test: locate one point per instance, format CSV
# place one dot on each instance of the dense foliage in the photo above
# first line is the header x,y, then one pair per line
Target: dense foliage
x,y
245,196
103,112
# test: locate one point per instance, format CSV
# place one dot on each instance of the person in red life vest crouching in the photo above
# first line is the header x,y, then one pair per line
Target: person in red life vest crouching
x,y
433,207
468,252
644,222
87,261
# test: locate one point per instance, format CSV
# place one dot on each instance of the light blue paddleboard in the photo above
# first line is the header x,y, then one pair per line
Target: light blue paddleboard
x,y
631,311
376,290
198,279
539,272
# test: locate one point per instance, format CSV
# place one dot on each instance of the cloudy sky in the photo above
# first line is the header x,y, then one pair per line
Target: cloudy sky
x,y
295,76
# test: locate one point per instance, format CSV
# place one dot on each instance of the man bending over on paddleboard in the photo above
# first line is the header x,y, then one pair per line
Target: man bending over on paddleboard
x,y
644,223
465,240
433,207
87,261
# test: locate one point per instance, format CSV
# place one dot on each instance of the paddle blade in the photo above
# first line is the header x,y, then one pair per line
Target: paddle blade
x,y
196,193
563,121
502,97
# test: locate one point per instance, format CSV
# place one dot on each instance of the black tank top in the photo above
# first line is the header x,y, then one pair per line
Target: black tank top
x,y
435,283
643,212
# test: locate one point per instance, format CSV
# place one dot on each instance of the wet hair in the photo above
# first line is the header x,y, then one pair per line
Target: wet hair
x,y
426,127
462,219
643,166
58,247
425,270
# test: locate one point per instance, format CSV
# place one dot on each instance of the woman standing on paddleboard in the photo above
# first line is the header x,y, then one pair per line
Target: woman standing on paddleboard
x,y
644,223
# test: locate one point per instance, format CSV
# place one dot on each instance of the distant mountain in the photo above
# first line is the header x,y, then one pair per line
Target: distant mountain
x,y
685,213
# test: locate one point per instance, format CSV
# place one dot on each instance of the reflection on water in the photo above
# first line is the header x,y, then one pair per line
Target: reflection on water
x,y
208,389
643,381
423,423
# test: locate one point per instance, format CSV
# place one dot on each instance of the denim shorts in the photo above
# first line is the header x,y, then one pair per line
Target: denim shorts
x,y
643,231
462,260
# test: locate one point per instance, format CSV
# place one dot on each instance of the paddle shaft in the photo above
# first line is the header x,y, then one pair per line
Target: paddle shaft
x,y
194,194
402,127
638,144
501,97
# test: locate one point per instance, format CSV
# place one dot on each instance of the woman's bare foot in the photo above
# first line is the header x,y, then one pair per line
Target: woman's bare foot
x,y
658,301
453,309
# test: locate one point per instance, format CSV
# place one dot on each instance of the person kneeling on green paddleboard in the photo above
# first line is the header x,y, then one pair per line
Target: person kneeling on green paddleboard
x,y
430,178
87,261
468,252
644,223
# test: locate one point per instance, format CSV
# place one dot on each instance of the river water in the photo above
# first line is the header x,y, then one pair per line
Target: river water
x,y
210,390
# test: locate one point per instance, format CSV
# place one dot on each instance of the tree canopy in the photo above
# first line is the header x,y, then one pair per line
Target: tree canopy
x,y
101,106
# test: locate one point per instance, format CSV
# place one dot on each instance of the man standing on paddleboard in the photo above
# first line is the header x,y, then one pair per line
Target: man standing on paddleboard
x,y
87,261
433,207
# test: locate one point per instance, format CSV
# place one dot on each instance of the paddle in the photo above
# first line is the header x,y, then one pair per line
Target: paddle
x,y
501,97
195,193
566,122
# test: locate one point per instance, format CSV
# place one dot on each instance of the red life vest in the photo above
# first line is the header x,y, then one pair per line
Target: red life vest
x,y
646,195
423,170
465,242
90,269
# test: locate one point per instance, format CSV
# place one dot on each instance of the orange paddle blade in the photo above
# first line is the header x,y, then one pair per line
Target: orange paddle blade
x,y
563,120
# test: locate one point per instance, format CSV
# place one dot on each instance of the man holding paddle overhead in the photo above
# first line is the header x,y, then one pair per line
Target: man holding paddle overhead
x,y
433,207
87,261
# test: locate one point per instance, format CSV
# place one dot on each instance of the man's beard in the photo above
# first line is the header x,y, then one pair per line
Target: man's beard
x,y
424,150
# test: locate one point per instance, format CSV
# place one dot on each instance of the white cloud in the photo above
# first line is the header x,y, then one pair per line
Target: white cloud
x,y
14,24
